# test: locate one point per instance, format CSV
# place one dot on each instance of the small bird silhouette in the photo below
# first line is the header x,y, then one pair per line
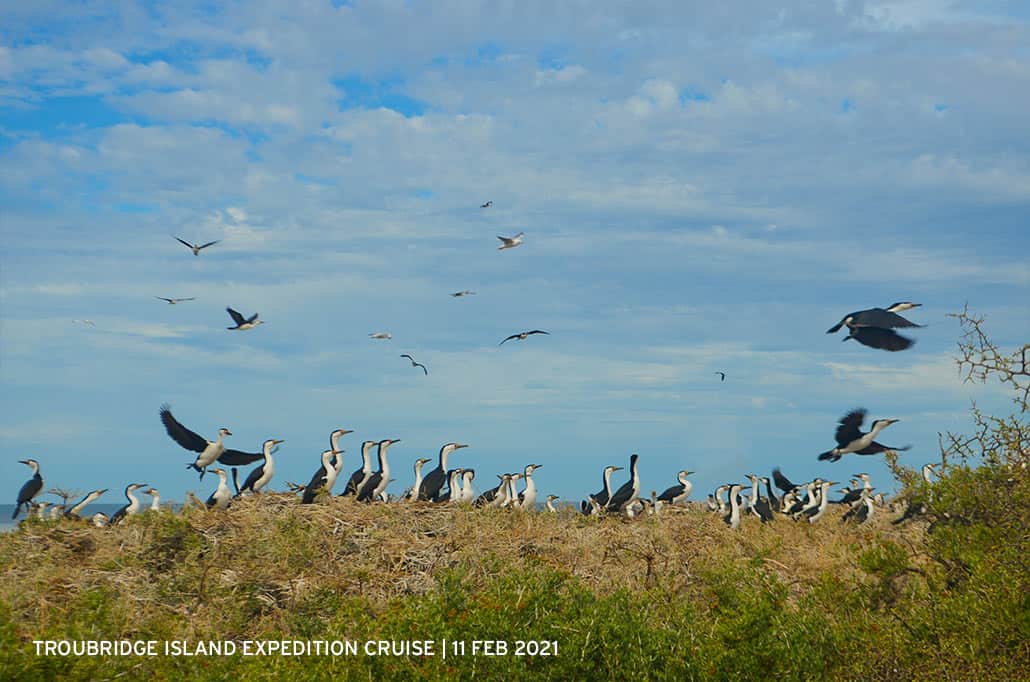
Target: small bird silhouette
x,y
416,364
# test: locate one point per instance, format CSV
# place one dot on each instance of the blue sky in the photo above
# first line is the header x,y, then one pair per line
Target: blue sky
x,y
700,191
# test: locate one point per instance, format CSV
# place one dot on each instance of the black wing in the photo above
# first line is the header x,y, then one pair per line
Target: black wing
x,y
671,493
419,364
163,298
879,317
781,481
179,433
876,448
184,243
848,429
538,331
204,246
883,339
252,478
252,318
513,336
235,458
28,491
236,317
409,357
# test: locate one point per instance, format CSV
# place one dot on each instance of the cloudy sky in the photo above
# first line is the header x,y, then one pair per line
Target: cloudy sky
x,y
701,190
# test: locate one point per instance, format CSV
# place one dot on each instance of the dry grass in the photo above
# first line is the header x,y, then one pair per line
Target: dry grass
x,y
196,565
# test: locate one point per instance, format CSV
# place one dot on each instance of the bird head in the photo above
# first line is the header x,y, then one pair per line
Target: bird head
x,y
224,432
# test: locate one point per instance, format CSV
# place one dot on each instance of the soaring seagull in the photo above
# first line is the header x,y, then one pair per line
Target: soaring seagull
x,y
210,451
510,242
875,327
487,204
194,247
459,294
243,323
416,364
521,336
173,301
851,439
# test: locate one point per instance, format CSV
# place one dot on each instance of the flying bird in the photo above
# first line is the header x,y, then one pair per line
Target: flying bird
x,y
173,301
89,323
196,248
509,242
487,204
875,327
850,439
459,294
209,451
722,376
416,364
521,336
380,335
243,323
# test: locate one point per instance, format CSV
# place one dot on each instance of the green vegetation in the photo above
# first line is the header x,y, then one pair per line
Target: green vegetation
x,y
680,596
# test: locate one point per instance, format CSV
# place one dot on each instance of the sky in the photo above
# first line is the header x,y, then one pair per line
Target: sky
x,y
701,190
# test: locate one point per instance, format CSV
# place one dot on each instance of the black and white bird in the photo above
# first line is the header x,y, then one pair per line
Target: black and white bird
x,y
629,491
601,498
732,519
323,479
378,481
173,301
550,503
155,498
850,439
678,493
416,364
243,323
494,494
875,327
459,294
433,483
722,376
412,493
77,508
383,336
527,498
262,474
31,488
221,498
357,480
487,204
195,247
521,336
510,242
210,451
130,509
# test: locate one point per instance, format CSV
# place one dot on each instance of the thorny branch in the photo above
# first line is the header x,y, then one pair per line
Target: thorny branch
x,y
981,358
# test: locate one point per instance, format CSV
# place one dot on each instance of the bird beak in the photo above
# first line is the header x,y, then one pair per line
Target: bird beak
x,y
23,461
461,445
346,431
538,466
617,469
276,442
395,440
228,432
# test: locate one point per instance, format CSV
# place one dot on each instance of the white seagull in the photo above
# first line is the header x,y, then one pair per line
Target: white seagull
x,y
510,242
380,335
